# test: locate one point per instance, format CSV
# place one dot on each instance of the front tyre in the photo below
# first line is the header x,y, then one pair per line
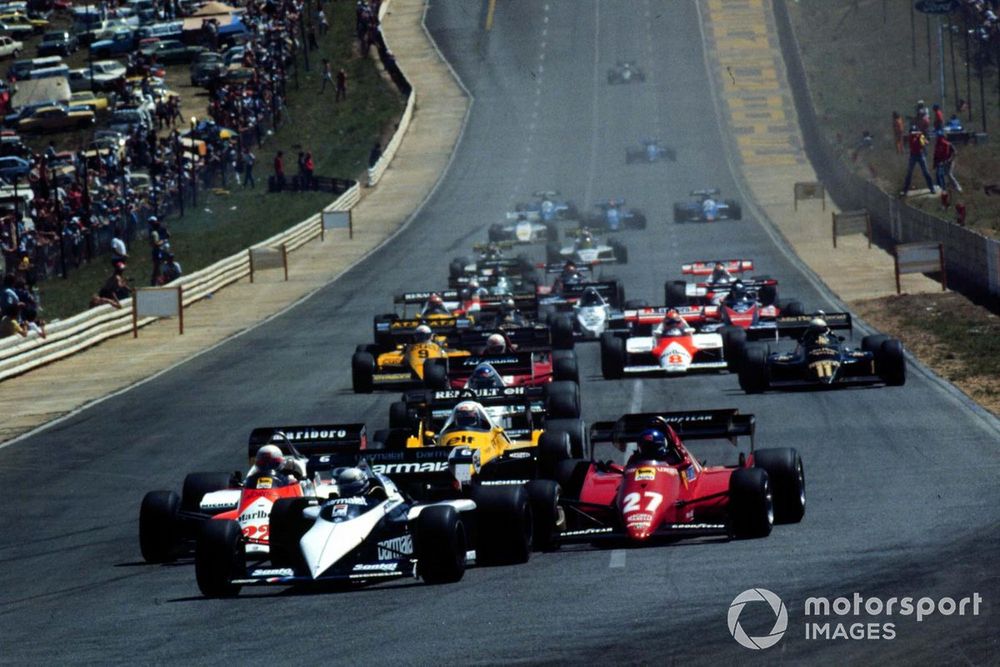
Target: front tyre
x,y
219,558
440,544
158,526
788,482
751,507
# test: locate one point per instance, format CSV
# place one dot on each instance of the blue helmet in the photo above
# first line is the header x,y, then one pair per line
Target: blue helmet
x,y
652,443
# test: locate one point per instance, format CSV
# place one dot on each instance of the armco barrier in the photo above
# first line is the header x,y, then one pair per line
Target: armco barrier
x,y
66,337
376,170
973,259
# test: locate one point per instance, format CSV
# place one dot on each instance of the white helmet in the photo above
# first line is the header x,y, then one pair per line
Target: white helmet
x,y
422,334
817,324
496,343
269,457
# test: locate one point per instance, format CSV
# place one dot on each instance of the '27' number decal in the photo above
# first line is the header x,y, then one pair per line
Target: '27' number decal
x,y
631,502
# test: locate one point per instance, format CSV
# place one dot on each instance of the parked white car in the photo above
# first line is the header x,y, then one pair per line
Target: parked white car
x,y
10,47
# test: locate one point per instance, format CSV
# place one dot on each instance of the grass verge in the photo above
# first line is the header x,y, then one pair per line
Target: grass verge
x,y
339,135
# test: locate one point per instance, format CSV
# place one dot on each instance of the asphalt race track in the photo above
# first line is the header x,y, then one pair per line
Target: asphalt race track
x,y
902,482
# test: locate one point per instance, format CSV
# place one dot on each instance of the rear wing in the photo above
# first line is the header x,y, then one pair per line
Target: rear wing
x,y
404,328
546,194
606,288
796,325
420,298
707,192
522,337
492,396
310,440
655,315
727,424
513,363
418,466
497,245
704,267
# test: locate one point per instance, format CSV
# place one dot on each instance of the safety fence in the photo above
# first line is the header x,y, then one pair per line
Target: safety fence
x,y
395,72
973,258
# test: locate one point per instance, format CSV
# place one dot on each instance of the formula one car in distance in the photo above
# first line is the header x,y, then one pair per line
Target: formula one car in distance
x,y
613,216
586,248
656,341
169,523
549,206
664,491
650,151
592,307
524,228
821,358
625,71
707,208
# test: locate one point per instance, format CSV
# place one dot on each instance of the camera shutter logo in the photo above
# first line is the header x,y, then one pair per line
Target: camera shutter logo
x,y
780,622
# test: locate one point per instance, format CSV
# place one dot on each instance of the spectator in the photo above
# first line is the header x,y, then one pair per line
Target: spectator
x,y
171,269
944,160
279,171
8,296
897,131
923,117
307,171
917,141
327,73
938,118
248,161
9,324
341,85
119,253
324,26
159,241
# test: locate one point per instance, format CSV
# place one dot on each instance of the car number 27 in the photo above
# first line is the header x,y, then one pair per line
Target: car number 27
x,y
631,502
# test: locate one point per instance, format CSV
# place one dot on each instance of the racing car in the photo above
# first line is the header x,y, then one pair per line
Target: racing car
x,y
593,307
524,227
646,347
613,216
721,275
586,249
169,523
664,492
650,151
547,207
822,359
707,208
625,71
368,529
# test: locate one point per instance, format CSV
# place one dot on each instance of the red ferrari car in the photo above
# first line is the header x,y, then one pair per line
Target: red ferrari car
x,y
664,491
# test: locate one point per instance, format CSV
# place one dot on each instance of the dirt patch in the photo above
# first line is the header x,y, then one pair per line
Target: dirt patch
x,y
958,339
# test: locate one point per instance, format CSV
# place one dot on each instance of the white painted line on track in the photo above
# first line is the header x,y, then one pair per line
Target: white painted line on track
x,y
636,404
617,559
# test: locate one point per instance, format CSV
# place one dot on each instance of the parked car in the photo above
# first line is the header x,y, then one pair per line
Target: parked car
x,y
58,43
171,51
56,118
124,120
34,25
86,98
10,47
12,166
119,42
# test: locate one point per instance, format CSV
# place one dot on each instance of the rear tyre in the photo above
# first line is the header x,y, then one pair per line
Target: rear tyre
x,y
159,531
545,512
551,232
576,429
675,293
553,447
553,253
435,374
873,343
679,215
793,308
753,370
564,366
768,294
561,330
612,356
788,482
363,373
620,252
197,484
734,342
638,220
504,524
287,526
440,543
390,438
751,507
399,415
735,210
496,233
562,400
456,268
636,304
890,363
219,558
571,474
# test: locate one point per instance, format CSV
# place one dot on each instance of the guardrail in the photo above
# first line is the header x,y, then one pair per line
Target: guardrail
x,y
376,170
66,337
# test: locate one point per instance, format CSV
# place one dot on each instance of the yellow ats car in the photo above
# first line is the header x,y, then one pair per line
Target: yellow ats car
x,y
86,98
402,363
55,119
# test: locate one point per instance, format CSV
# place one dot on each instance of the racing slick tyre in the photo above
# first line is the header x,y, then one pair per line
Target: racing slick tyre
x,y
735,210
197,484
562,400
768,294
638,220
553,253
369,348
390,438
793,308
620,252
287,525
545,512
675,293
561,331
384,338
219,558
734,342
440,543
551,232
553,447
788,482
564,366
457,267
753,370
890,363
636,304
158,526
571,212
363,373
612,356
503,524
576,429
497,233
571,474
680,215
751,507
399,415
873,343
435,374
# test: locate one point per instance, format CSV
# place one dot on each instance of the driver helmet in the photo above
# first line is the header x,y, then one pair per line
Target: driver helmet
x,y
508,306
817,326
269,457
352,482
465,415
591,297
586,239
495,344
720,274
652,444
672,319
738,291
484,377
434,303
422,334
569,268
